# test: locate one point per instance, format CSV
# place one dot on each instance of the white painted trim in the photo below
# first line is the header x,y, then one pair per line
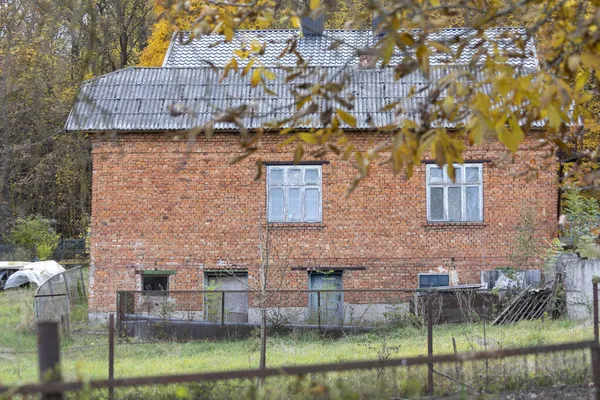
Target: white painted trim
x,y
286,186
166,57
446,183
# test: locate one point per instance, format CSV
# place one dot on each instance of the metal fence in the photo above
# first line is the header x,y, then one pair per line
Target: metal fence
x,y
572,367
71,249
56,298
15,252
214,313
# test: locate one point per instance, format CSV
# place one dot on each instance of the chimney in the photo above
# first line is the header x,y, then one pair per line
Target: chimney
x,y
312,26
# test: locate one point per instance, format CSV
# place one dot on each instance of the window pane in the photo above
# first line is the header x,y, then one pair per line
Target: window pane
x,y
436,175
312,204
294,209
311,176
472,199
275,176
294,176
436,204
276,204
458,175
454,204
472,174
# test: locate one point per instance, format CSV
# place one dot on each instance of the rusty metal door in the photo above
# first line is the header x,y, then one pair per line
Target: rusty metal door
x,y
235,304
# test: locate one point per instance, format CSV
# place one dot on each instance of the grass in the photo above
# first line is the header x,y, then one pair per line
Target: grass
x,y
85,353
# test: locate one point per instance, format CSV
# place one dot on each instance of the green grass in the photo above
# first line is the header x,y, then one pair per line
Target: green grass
x,y
85,353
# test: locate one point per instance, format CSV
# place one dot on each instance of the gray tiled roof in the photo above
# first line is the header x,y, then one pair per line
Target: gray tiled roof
x,y
315,48
138,99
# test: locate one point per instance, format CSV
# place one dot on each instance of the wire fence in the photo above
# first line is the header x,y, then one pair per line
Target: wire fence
x,y
527,370
395,325
58,297
15,252
71,249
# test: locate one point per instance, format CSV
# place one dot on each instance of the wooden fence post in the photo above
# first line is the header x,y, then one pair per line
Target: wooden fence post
x,y
49,356
596,370
111,354
430,343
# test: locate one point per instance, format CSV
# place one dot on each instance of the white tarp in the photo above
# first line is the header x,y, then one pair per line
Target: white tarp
x,y
36,272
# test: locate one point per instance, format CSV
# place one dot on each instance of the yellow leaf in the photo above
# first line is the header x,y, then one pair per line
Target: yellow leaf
x,y
582,80
476,130
255,80
247,67
298,153
309,138
228,33
407,39
440,47
448,105
268,74
255,46
295,22
348,118
314,4
515,127
423,59
243,54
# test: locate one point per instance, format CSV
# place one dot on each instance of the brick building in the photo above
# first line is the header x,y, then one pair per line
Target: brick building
x,y
170,213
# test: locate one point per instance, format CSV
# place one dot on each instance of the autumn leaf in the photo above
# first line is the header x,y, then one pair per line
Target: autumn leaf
x,y
348,118
256,78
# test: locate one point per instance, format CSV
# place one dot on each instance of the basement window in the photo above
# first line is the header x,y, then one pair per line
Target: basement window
x,y
433,280
156,281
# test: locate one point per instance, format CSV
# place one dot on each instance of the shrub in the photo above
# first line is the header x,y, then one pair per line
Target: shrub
x,y
582,213
35,231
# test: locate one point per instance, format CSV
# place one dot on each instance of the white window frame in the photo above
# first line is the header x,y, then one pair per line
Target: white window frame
x,y
286,186
447,183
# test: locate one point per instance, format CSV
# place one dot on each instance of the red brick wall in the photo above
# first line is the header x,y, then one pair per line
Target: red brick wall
x,y
164,204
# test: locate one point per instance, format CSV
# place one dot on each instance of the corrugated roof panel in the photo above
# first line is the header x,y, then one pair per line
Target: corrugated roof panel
x,y
139,98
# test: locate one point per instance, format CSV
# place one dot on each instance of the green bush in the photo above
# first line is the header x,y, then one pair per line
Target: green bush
x,y
35,231
583,214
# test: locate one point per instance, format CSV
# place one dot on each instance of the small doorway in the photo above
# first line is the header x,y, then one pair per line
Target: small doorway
x,y
330,304
232,307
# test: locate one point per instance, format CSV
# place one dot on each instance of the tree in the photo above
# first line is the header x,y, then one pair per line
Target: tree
x,y
47,48
172,18
556,95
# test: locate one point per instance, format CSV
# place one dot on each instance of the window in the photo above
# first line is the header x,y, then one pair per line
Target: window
x,y
433,280
461,200
155,282
294,193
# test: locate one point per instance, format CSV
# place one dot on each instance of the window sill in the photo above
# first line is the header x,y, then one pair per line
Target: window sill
x,y
452,225
296,225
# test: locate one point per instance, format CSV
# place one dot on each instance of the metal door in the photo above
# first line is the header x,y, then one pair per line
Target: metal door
x,y
331,303
236,304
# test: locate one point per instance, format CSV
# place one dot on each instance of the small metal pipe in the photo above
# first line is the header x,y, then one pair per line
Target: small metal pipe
x,y
111,354
595,299
430,344
222,308
319,310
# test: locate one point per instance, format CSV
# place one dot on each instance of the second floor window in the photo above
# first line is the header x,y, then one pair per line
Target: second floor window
x,y
461,200
294,193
